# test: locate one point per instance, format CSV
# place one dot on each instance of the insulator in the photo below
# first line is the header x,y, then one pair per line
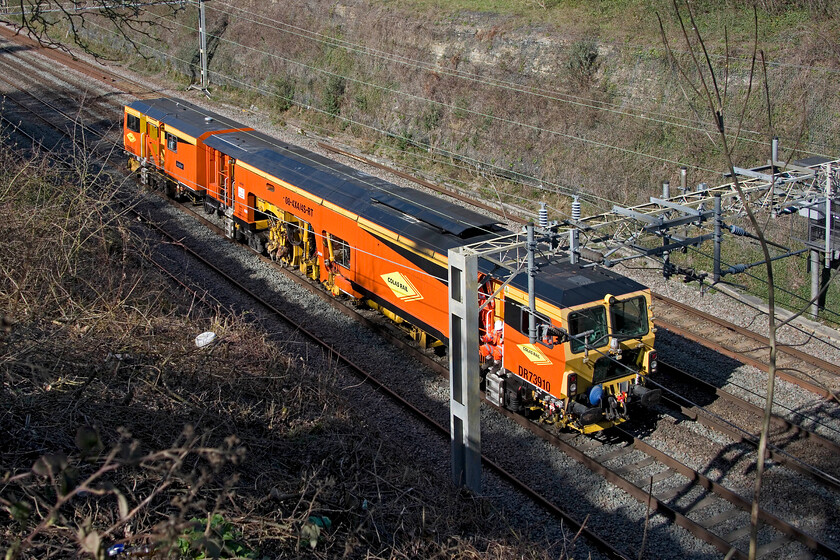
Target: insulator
x,y
576,209
735,269
736,230
543,216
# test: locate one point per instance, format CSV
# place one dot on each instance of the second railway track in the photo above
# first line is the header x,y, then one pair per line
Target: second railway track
x,y
772,543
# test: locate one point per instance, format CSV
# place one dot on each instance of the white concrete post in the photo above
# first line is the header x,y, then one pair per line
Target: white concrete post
x,y
464,394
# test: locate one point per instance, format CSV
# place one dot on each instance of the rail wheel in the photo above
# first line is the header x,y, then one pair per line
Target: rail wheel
x,y
255,242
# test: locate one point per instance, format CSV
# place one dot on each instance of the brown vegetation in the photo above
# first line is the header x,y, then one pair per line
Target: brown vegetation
x,y
116,428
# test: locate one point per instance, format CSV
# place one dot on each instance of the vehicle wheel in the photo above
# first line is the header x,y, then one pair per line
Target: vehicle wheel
x,y
514,402
208,208
256,243
170,190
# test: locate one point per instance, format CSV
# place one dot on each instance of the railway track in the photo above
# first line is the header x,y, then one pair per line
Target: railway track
x,y
621,475
653,477
793,365
791,444
673,479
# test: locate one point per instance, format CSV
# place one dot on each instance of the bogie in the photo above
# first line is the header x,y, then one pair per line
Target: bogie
x,y
578,359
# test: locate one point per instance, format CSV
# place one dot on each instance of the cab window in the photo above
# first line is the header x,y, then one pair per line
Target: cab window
x,y
629,317
519,317
132,122
171,142
587,326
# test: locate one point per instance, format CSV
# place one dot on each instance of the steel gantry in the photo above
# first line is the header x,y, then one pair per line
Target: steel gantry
x,y
692,217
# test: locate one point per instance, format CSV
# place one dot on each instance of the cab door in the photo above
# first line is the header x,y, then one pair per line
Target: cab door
x,y
153,151
132,136
226,179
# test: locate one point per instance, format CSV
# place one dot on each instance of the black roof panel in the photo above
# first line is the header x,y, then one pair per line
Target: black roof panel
x,y
358,192
566,285
184,116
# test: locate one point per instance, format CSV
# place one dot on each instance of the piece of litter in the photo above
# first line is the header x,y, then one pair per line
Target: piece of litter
x,y
205,339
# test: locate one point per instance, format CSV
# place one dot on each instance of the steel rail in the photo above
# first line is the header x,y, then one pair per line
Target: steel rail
x,y
679,517
705,482
759,338
794,431
744,359
122,83
602,544
660,505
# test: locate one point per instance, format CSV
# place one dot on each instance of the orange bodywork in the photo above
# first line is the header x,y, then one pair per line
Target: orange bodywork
x,y
175,153
388,246
376,269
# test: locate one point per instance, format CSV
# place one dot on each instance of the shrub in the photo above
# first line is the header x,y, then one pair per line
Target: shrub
x,y
334,94
583,61
284,94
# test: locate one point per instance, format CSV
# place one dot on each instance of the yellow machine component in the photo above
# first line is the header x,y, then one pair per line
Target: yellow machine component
x,y
309,249
290,239
390,314
422,338
276,245
330,281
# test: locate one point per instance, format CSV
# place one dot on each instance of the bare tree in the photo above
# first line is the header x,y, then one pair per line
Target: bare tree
x,y
701,77
55,23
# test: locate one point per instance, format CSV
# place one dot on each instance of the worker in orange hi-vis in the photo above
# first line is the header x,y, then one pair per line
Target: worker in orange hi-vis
x,y
492,348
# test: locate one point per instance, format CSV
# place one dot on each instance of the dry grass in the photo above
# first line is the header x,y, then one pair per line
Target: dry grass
x,y
114,427
590,103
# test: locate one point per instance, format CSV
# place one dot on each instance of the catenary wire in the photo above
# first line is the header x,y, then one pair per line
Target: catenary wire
x,y
551,96
224,76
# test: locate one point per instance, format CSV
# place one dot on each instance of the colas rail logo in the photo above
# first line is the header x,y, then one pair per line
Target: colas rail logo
x,y
402,286
534,354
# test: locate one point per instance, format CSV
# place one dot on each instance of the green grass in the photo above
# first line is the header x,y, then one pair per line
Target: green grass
x,y
790,275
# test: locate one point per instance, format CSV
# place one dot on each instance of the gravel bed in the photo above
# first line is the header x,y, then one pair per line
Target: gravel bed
x,y
609,511
792,402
